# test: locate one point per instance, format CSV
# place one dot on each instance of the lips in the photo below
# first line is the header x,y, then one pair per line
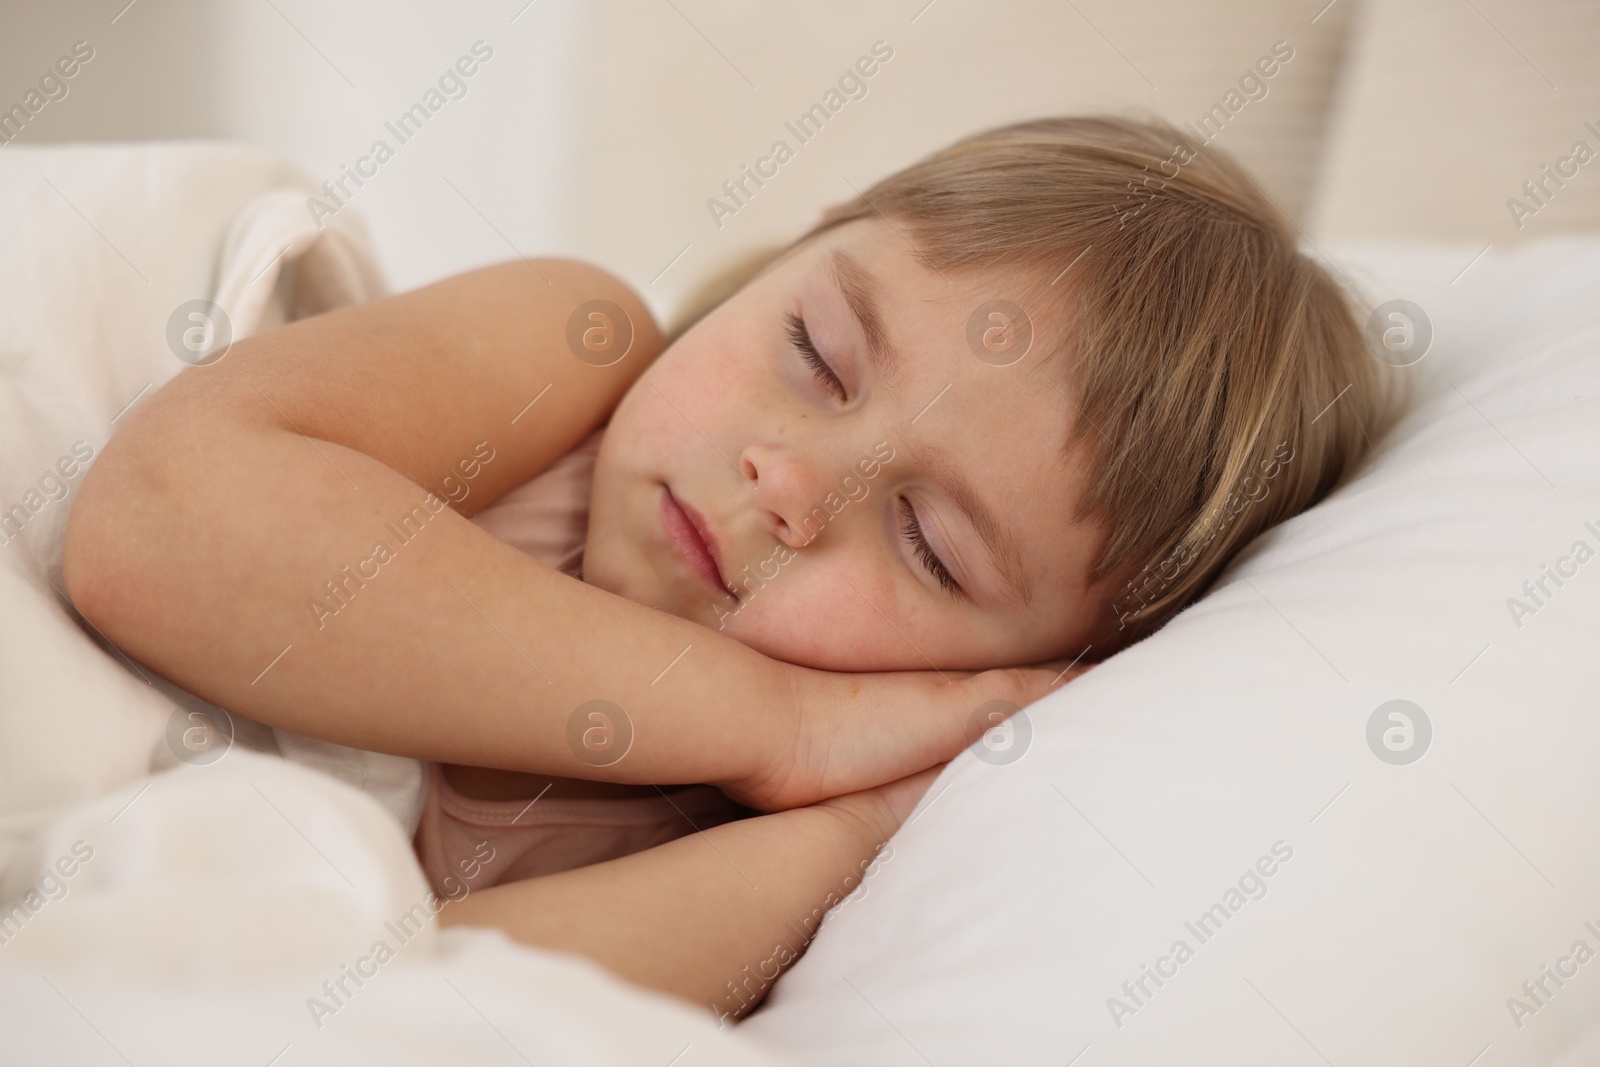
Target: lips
x,y
692,538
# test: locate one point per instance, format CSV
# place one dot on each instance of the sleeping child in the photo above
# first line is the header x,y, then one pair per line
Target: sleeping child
x,y
729,603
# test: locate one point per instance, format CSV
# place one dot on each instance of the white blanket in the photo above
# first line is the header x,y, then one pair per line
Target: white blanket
x,y
219,911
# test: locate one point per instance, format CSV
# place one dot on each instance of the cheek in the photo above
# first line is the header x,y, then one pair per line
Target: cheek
x,y
728,401
684,398
646,423
709,373
824,613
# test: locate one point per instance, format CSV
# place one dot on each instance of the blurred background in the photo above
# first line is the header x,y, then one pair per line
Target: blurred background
x,y
605,130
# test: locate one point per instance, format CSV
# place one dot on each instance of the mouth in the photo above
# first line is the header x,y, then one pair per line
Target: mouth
x,y
693,540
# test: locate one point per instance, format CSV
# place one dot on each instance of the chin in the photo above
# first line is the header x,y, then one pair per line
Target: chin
x,y
645,588
640,590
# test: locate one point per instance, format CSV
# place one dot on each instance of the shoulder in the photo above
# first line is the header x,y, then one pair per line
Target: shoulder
x,y
582,291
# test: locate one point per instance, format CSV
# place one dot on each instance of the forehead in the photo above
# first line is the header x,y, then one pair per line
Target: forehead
x,y
872,266
967,380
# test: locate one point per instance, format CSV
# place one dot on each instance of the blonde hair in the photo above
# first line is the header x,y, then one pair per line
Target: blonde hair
x,y
1222,380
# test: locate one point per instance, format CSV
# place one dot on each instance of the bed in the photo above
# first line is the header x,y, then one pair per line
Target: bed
x,y
1339,811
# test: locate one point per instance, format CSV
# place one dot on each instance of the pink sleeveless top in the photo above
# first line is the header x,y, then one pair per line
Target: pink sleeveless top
x,y
479,843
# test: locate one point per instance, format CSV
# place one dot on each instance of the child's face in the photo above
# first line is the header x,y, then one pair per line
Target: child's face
x,y
804,486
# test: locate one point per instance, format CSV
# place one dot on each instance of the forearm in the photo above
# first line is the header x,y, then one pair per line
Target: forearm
x,y
712,918
456,647
229,505
213,566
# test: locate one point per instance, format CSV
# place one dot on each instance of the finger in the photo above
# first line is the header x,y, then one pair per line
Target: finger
x,y
1078,664
1039,682
886,807
904,794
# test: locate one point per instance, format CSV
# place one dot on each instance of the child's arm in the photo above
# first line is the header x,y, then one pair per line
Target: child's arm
x,y
713,917
228,503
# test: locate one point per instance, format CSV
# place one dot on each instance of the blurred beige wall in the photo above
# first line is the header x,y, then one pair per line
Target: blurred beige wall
x,y
601,130
605,130
1450,113
670,123
316,82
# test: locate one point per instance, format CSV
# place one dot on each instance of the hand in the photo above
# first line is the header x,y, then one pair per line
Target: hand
x,y
853,732
879,812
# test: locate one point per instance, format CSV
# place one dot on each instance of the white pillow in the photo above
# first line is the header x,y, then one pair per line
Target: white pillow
x,y
1400,907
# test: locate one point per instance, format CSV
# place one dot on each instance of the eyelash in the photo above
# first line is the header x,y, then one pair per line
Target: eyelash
x,y
923,551
800,338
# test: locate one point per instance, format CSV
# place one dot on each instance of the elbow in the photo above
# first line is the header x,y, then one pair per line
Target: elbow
x,y
88,552
117,510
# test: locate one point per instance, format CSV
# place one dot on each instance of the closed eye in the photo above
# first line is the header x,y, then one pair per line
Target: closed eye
x,y
924,551
800,337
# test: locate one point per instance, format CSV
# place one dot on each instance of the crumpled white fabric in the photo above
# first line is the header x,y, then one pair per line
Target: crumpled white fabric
x,y
279,265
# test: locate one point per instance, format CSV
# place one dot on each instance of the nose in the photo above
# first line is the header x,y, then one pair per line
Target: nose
x,y
789,487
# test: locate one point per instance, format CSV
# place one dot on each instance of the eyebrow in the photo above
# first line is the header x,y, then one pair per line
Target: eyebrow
x,y
860,291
